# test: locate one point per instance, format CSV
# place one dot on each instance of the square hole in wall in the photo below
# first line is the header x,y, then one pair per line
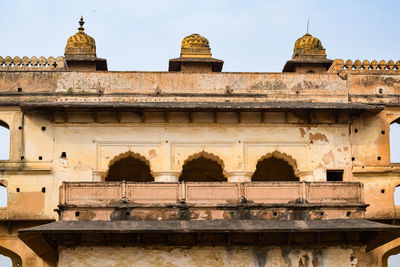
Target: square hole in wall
x,y
334,175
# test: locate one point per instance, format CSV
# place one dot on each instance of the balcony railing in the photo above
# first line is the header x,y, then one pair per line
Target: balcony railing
x,y
210,201
107,193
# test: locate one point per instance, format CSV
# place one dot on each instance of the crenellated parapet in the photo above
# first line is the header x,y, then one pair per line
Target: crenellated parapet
x,y
31,64
365,67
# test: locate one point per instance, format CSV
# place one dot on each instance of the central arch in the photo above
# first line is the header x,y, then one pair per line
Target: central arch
x,y
276,166
129,166
203,167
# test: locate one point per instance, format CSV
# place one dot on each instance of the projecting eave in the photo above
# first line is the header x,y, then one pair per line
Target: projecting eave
x,y
176,63
46,238
290,64
197,106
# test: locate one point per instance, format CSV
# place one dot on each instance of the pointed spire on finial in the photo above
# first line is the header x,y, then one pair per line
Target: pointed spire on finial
x,y
81,22
308,24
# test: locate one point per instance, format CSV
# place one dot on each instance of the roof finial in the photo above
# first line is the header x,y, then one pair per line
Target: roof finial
x,y
81,22
308,23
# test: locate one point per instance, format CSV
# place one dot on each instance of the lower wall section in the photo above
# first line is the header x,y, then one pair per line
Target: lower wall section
x,y
213,256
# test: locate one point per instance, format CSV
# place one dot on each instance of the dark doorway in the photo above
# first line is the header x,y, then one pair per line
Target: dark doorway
x,y
130,169
202,170
274,169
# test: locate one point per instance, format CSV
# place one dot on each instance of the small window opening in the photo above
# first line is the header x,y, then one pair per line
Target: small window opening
x,y
63,155
397,195
334,175
4,141
202,170
3,196
394,139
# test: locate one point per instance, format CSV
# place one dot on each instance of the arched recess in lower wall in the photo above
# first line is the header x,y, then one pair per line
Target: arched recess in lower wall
x,y
129,166
276,166
203,167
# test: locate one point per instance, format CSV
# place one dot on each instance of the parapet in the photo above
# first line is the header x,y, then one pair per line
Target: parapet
x,y
31,64
365,67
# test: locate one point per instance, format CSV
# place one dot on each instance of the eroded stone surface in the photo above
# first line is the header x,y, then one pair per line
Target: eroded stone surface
x,y
208,256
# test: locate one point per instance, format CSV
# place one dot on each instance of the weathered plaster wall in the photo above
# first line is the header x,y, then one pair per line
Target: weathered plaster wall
x,y
213,256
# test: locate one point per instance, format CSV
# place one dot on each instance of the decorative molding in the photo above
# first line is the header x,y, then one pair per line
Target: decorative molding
x,y
31,64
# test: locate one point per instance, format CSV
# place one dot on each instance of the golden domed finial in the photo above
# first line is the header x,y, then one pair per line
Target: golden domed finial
x,y
308,46
195,45
195,56
80,44
81,22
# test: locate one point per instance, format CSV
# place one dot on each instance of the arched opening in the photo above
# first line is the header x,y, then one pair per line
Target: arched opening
x,y
393,261
129,167
5,261
391,258
3,197
203,167
394,139
9,258
4,141
397,196
275,168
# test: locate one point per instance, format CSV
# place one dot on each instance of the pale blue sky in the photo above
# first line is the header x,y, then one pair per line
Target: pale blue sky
x,y
255,36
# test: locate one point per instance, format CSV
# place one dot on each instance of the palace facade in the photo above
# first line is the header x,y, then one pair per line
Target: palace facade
x,y
197,167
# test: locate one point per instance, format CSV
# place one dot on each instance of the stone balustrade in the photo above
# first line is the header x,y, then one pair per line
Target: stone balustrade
x,y
31,64
210,200
105,193
381,67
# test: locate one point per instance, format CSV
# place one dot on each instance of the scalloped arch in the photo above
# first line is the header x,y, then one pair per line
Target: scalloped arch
x,y
206,155
126,155
279,155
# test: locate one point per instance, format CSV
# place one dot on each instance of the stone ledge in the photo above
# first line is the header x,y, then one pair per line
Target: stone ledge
x,y
26,166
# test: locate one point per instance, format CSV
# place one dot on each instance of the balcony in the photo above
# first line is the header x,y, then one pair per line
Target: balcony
x,y
210,201
209,214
